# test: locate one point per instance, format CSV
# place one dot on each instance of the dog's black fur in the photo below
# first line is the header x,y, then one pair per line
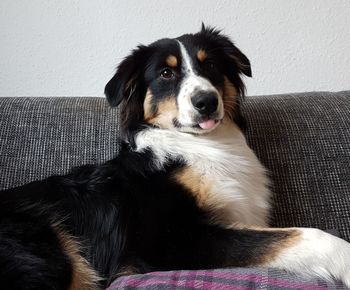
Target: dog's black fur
x,y
125,215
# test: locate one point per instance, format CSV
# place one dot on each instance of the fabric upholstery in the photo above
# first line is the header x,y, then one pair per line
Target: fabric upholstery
x,y
40,137
223,279
303,140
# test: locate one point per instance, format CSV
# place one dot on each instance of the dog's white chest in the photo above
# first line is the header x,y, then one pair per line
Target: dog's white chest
x,y
238,188
239,185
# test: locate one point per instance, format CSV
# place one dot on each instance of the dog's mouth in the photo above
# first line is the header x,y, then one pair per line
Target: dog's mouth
x,y
207,124
200,126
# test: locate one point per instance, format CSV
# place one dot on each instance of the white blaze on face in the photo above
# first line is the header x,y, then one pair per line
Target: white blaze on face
x,y
191,84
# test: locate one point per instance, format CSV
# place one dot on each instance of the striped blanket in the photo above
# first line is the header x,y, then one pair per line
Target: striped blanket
x,y
223,279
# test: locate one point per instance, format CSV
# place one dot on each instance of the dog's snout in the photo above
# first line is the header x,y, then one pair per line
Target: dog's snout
x,y
205,103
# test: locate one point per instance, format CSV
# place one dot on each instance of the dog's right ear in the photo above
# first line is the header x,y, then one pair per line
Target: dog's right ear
x,y
128,77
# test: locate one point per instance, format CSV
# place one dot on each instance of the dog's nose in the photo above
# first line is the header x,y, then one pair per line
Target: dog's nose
x,y
205,103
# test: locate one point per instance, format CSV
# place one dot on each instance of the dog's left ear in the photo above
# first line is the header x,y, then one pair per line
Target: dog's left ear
x,y
241,61
126,82
235,57
236,60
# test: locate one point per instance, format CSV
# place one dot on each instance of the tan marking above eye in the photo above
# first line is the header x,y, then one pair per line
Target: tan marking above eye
x,y
171,61
201,55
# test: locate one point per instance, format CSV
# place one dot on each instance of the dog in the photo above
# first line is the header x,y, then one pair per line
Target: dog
x,y
184,192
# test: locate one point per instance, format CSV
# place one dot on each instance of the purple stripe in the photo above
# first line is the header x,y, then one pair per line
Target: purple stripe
x,y
174,275
254,278
196,284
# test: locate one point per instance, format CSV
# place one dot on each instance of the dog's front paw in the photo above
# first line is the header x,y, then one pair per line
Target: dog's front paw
x,y
335,255
315,252
343,277
346,277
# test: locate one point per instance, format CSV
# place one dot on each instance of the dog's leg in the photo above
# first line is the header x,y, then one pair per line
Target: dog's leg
x,y
314,252
299,250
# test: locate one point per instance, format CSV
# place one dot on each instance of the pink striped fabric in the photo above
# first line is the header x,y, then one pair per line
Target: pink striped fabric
x,y
223,279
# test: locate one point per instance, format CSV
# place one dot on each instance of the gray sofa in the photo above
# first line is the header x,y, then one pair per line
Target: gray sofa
x,y
303,140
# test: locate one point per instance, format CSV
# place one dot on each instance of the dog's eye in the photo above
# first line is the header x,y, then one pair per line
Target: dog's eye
x,y
166,73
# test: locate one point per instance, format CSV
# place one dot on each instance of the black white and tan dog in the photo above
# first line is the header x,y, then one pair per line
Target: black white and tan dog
x,y
185,191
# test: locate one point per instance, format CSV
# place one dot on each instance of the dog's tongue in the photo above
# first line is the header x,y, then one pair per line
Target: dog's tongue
x,y
207,124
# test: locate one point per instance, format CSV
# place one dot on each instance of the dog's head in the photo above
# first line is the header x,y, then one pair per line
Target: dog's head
x,y
188,84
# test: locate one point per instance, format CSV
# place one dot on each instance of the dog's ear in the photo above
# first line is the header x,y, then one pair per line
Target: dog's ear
x,y
128,88
126,83
239,61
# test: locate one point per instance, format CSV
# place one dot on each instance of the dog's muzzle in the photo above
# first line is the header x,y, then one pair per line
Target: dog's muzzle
x,y
206,104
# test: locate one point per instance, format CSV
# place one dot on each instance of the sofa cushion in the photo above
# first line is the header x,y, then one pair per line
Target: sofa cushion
x,y
44,136
224,279
303,139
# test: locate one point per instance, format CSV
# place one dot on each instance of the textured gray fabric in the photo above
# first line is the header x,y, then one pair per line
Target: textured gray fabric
x,y
303,139
44,136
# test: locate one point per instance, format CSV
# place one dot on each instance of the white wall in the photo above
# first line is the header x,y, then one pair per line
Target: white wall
x,y
70,48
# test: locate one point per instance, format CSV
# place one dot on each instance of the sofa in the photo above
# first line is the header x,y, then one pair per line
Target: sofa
x,y
303,140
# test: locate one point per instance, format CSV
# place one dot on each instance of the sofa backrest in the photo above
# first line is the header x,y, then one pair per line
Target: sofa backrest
x,y
303,140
